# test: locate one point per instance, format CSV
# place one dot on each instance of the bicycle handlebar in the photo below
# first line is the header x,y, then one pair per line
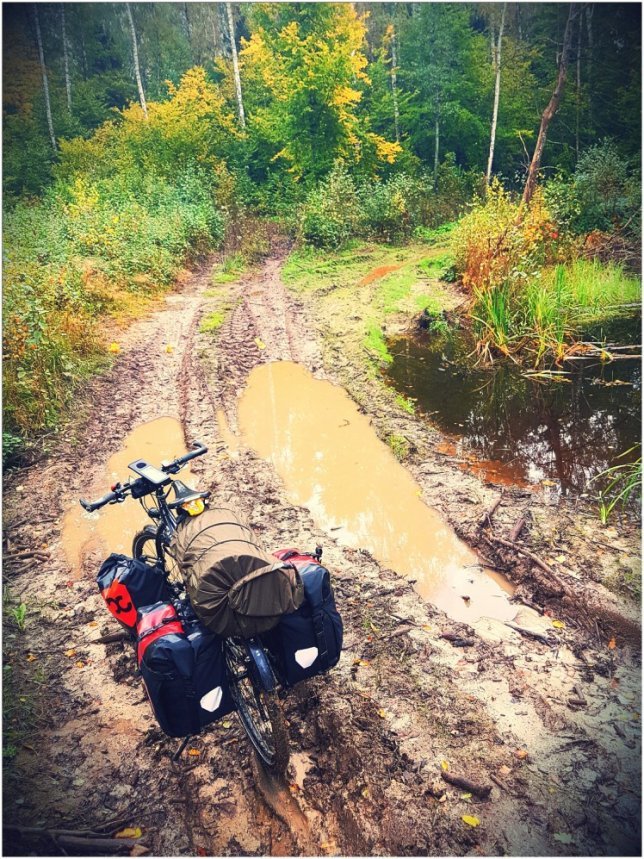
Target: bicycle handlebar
x,y
110,498
198,450
120,492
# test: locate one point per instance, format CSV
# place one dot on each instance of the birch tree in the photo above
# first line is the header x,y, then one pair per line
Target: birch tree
x,y
391,32
68,82
233,48
551,107
497,90
137,68
45,81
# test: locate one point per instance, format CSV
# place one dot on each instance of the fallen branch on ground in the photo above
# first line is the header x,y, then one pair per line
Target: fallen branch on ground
x,y
486,519
458,781
534,558
532,633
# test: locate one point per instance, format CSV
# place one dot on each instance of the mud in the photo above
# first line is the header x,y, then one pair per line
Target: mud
x,y
333,463
369,739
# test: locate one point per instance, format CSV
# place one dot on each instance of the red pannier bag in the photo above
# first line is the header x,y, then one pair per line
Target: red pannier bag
x,y
128,584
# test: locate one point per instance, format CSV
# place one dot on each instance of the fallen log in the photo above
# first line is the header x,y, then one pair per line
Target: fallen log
x,y
482,790
101,846
499,783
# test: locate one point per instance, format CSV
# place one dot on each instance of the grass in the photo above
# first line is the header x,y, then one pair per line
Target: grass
x,y
399,446
543,317
230,270
413,287
621,483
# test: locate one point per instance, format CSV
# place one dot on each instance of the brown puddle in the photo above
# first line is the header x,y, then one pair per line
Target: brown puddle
x,y
332,462
377,273
490,470
112,528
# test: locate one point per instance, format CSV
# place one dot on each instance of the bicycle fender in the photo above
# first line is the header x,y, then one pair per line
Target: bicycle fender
x,y
264,670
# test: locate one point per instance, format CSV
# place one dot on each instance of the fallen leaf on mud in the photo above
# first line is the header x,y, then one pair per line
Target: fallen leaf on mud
x,y
328,846
466,796
260,343
360,662
201,851
563,837
226,724
130,832
70,653
93,623
504,770
366,793
521,754
470,820
560,559
114,348
139,850
80,664
169,348
382,713
294,788
443,798
612,644
558,624
548,483
31,657
445,766
194,753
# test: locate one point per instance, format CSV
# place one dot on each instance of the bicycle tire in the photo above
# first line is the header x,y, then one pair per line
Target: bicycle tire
x,y
140,541
259,712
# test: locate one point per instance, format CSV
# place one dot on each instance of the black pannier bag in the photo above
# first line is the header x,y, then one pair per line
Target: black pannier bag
x,y
128,584
308,641
183,668
234,585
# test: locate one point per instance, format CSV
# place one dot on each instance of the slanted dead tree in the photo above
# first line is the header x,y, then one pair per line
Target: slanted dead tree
x,y
233,48
45,81
137,67
552,106
496,49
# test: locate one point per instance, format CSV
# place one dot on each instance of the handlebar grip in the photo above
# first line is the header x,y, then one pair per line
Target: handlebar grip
x,y
90,506
199,450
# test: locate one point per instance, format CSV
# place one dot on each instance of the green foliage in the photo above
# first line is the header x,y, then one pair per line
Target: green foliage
x,y
399,445
329,218
406,404
621,483
376,345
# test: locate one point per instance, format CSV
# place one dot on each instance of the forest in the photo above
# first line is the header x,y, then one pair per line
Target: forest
x,y
379,121
380,264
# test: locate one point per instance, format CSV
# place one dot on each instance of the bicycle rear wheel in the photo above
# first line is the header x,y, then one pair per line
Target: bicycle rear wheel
x,y
260,712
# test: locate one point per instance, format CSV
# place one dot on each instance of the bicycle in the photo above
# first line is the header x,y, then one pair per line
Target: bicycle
x,y
253,682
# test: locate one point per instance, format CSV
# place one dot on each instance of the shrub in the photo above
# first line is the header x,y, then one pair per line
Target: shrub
x,y
330,214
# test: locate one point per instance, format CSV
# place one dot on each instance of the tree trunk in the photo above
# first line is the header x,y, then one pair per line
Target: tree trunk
x,y
497,90
68,81
394,86
233,48
45,82
578,106
436,149
551,108
137,68
589,32
188,28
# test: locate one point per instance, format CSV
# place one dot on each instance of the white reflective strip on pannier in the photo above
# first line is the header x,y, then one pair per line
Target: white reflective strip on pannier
x,y
211,700
305,658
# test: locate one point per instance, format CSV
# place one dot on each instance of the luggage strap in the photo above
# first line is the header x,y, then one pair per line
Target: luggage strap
x,y
320,637
256,574
156,628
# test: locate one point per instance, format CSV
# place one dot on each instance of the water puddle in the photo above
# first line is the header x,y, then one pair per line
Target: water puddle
x,y
332,462
515,430
112,528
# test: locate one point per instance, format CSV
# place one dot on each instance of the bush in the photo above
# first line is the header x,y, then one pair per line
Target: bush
x,y
493,246
330,215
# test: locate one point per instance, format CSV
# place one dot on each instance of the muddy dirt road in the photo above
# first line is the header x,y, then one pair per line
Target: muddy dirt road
x,y
547,716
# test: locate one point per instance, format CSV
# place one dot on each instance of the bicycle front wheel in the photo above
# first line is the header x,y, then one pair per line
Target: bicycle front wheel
x,y
260,712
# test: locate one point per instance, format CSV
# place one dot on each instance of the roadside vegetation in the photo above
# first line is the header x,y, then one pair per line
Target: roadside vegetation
x,y
133,150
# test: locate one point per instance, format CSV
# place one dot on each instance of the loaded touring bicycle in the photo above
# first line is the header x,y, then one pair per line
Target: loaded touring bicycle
x,y
218,624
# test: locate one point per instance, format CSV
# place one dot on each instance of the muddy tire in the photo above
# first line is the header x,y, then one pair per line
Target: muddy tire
x,y
259,712
144,543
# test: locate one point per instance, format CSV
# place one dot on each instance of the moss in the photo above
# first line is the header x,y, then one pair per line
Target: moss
x,y
375,344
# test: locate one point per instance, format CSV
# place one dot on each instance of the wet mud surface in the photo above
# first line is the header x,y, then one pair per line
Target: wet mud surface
x,y
547,716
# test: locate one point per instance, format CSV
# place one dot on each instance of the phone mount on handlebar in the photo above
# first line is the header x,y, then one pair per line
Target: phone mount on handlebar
x,y
149,472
